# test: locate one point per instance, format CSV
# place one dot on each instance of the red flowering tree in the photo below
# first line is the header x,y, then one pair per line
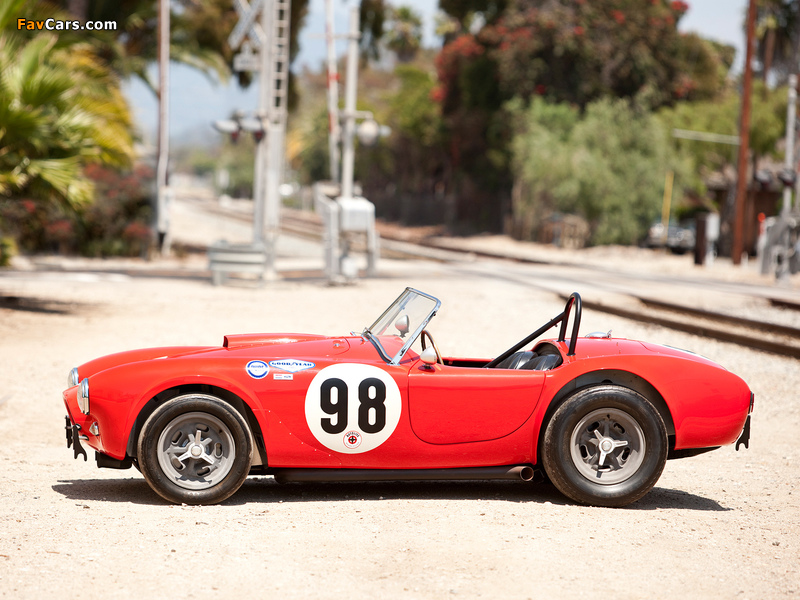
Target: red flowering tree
x,y
581,50
573,51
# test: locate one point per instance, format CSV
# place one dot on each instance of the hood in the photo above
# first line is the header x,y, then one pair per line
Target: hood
x,y
121,358
266,339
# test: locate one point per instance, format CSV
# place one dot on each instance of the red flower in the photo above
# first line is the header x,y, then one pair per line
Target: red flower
x,y
60,230
438,93
618,16
578,30
679,6
136,231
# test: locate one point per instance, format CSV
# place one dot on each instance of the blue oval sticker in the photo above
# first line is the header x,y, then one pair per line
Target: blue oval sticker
x,y
257,369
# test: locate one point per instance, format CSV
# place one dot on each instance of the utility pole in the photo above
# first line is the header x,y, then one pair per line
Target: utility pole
x,y
788,163
744,138
351,88
334,128
162,191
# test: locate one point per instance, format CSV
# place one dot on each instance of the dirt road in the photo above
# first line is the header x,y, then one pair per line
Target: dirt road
x,y
721,525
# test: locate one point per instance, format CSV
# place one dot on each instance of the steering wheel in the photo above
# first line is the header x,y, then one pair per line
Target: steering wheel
x,y
426,334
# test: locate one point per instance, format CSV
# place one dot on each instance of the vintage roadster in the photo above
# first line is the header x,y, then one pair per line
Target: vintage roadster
x,y
598,416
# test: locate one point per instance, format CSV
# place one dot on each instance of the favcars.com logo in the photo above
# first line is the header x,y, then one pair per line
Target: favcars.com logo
x,y
61,25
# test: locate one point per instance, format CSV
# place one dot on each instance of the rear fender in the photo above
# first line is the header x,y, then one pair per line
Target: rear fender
x,y
602,377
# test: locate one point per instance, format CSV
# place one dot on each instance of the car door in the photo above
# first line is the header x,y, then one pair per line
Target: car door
x,y
454,404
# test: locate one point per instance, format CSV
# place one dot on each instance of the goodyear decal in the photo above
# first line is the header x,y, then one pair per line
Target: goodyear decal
x,y
292,365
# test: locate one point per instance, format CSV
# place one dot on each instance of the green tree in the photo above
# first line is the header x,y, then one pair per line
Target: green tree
x,y
574,51
199,33
721,116
606,165
581,51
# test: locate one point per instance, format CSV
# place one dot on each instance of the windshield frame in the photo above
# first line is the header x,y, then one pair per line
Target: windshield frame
x,y
392,311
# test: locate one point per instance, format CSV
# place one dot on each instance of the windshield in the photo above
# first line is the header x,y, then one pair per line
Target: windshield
x,y
405,319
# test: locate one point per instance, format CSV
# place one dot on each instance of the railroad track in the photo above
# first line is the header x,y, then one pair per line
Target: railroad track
x,y
769,337
765,336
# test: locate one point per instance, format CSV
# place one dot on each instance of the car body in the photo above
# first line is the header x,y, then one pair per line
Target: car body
x,y
597,415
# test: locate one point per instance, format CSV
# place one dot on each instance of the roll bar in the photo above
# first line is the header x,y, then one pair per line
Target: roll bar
x,y
573,300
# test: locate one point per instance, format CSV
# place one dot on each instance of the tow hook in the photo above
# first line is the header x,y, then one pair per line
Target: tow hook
x,y
744,439
73,439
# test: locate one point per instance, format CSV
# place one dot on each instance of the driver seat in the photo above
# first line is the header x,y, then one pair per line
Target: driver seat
x,y
516,360
543,362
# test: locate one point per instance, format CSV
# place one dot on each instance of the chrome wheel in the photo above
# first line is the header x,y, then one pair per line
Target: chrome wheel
x,y
196,450
607,446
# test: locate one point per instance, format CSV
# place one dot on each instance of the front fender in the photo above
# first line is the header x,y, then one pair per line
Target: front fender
x,y
118,395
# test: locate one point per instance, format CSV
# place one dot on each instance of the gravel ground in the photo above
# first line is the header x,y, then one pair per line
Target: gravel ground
x,y
721,525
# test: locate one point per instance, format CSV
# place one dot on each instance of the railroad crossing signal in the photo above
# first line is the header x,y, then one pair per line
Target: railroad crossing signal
x,y
247,25
264,25
247,60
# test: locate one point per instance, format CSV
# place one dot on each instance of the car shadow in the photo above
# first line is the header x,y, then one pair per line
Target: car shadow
x,y
261,490
38,305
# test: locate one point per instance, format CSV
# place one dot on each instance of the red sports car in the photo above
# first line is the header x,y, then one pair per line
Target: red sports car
x,y
598,416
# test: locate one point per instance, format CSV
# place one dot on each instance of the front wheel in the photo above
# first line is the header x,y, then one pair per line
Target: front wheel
x,y
605,446
195,449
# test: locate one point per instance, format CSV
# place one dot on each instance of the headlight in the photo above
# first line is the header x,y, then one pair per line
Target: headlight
x,y
83,397
73,379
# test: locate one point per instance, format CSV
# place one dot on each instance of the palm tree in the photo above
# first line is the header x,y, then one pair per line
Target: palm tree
x,y
61,109
778,38
405,34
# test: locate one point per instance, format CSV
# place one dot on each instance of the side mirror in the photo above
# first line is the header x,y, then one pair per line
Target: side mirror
x,y
429,356
402,325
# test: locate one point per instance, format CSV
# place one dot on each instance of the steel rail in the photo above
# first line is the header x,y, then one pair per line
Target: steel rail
x,y
704,323
754,338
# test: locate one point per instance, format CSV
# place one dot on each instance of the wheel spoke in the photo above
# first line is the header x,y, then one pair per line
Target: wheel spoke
x,y
598,443
198,450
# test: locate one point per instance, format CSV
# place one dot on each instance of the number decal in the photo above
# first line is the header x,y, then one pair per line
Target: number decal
x,y
368,404
329,407
352,408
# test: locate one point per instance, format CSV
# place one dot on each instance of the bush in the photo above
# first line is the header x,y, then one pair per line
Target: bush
x,y
607,165
115,224
8,249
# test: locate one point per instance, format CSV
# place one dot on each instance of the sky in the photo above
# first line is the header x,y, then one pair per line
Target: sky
x,y
196,101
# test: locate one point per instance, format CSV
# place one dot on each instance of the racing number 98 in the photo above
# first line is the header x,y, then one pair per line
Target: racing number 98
x,y
368,401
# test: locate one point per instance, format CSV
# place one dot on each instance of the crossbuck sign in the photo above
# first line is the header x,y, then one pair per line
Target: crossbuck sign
x,y
247,25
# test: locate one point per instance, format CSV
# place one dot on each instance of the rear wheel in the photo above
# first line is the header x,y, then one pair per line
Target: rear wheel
x,y
195,449
606,446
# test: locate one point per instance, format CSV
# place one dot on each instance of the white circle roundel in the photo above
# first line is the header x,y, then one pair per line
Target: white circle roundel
x,y
352,408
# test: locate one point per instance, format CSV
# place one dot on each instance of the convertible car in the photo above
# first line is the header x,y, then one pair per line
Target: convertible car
x,y
598,416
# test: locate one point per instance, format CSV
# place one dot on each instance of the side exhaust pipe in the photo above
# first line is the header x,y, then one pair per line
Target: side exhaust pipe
x,y
523,472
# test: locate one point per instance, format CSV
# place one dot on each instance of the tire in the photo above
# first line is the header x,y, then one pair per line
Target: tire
x,y
195,449
635,440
